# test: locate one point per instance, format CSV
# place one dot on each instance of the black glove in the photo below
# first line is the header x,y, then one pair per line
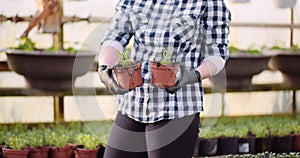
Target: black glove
x,y
186,77
107,78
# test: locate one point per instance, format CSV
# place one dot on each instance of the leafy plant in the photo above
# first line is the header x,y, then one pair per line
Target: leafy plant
x,y
125,58
17,142
25,43
260,130
242,132
207,133
166,56
87,140
35,139
232,49
55,139
61,140
251,50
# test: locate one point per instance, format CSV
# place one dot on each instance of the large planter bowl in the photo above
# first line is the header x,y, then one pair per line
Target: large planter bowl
x,y
50,70
288,64
241,67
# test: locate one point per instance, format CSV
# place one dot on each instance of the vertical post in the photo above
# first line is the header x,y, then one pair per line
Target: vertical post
x,y
294,104
58,39
58,109
292,27
223,104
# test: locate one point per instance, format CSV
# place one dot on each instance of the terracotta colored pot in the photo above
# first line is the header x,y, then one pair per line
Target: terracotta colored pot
x,y
60,152
86,153
11,153
129,77
38,152
296,142
163,76
227,145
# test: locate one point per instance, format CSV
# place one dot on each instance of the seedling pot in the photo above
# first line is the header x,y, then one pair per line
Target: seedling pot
x,y
129,77
11,153
86,153
163,75
283,144
38,152
208,147
296,142
227,145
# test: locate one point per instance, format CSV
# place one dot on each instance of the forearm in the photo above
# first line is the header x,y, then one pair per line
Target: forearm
x,y
211,66
109,54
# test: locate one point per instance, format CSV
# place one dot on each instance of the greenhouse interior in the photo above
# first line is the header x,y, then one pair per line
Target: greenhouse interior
x,y
56,105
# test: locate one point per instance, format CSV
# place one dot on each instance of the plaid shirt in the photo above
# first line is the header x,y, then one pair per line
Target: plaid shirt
x,y
193,28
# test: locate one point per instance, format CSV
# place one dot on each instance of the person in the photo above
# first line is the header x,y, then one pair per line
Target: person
x,y
156,122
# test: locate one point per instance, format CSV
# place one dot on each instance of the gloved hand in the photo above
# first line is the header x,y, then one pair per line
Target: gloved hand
x,y
107,78
186,77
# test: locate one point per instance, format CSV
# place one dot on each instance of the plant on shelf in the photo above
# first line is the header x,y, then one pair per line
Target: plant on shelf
x,y
128,73
26,43
208,141
286,61
49,69
17,142
87,140
164,70
37,149
16,146
240,69
91,146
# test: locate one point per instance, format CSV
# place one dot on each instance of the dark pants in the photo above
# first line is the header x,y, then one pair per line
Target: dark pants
x,y
168,138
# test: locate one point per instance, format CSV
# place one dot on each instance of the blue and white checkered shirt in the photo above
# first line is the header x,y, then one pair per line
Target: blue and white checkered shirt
x,y
194,29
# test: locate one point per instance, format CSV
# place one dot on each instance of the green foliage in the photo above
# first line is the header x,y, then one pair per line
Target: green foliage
x,y
242,132
294,48
260,130
17,142
87,140
35,139
26,43
166,56
71,50
226,131
251,50
207,133
232,49
125,58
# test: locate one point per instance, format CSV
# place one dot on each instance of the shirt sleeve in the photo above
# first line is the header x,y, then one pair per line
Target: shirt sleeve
x,y
120,29
215,23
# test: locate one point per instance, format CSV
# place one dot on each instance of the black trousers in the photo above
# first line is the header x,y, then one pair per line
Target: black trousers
x,y
174,138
